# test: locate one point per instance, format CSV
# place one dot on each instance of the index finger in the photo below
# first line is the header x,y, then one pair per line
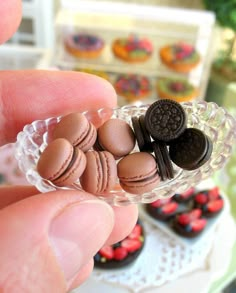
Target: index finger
x,y
37,94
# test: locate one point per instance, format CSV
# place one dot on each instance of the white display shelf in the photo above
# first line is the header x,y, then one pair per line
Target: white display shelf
x,y
162,25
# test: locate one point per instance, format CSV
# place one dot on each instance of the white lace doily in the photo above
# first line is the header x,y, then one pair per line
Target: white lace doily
x,y
167,266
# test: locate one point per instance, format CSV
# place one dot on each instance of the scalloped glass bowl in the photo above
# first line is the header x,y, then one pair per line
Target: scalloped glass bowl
x,y
215,121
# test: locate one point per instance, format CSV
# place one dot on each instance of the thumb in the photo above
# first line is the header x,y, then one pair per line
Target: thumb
x,y
46,239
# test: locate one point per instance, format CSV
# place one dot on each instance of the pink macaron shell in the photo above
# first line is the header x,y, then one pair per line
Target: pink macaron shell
x,y
136,166
142,186
117,137
73,127
89,140
55,159
75,170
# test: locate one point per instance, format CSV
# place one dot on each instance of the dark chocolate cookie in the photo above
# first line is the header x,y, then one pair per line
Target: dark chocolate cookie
x,y
122,253
142,136
165,120
191,149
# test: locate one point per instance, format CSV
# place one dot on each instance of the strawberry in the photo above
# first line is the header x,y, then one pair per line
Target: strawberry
x,y
187,193
137,231
107,252
120,253
215,205
169,208
195,214
198,225
213,193
160,202
201,198
184,219
131,245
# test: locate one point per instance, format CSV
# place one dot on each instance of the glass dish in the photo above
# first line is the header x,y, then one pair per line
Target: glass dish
x,y
215,121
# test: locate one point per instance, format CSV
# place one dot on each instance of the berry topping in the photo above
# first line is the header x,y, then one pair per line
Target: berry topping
x,y
201,198
214,193
160,202
107,252
177,86
185,219
170,208
198,225
215,206
120,253
136,233
131,245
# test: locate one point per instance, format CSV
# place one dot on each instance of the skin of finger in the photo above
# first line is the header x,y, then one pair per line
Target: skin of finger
x,y
14,255
30,95
83,275
125,217
10,12
125,220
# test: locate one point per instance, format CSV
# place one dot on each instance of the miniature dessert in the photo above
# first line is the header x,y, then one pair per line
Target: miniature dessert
x,y
209,201
99,73
138,173
141,134
123,252
184,197
133,87
178,90
76,128
132,49
84,45
191,149
115,136
61,163
100,174
162,209
165,120
189,224
180,57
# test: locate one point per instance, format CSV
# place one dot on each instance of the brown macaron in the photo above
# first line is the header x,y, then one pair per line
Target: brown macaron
x,y
117,137
100,174
138,173
76,128
61,163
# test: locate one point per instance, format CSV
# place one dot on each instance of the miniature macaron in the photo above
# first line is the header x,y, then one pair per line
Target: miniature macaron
x,y
117,137
77,129
138,173
100,174
61,163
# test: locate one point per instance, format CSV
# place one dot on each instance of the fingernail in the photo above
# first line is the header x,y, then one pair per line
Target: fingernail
x,y
78,232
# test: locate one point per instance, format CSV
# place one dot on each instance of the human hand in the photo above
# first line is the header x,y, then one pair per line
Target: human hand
x,y
48,240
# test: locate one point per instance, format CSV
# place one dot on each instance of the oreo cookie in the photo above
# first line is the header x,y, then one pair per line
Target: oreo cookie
x,y
191,149
165,120
164,163
142,136
122,253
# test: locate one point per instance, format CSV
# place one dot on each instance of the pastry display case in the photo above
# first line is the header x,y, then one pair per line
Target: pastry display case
x,y
160,26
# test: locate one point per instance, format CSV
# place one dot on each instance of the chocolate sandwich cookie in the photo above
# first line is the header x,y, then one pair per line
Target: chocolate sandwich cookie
x,y
122,253
165,120
191,149
141,134
164,163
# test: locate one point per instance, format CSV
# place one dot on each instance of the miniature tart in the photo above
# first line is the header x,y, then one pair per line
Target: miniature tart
x,y
132,49
84,45
179,90
162,209
133,87
180,57
123,252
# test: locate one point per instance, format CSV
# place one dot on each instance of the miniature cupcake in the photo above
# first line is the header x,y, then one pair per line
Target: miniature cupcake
x,y
132,49
180,57
162,209
209,201
84,45
189,224
133,87
122,253
179,90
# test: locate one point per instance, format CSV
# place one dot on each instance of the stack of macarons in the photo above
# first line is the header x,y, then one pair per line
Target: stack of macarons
x,y
134,156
